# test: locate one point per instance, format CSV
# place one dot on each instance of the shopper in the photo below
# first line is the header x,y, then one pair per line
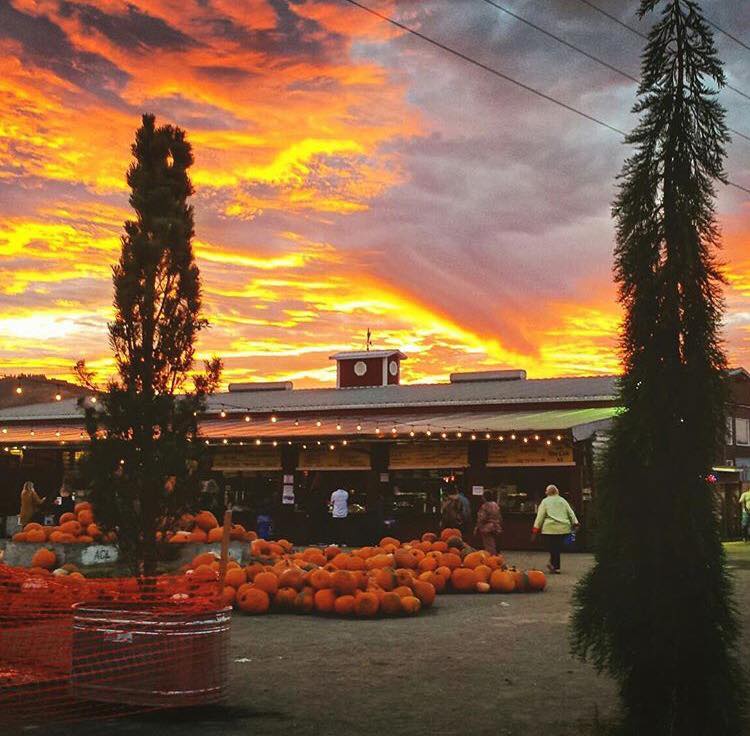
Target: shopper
x,y
30,503
745,508
465,512
64,502
339,512
451,511
555,519
489,522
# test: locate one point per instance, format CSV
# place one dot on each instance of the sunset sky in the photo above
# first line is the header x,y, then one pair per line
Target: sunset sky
x,y
347,176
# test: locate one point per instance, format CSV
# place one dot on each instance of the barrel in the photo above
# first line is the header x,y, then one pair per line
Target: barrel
x,y
142,656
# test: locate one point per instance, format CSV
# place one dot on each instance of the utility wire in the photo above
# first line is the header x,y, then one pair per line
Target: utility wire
x,y
579,50
728,35
501,75
632,29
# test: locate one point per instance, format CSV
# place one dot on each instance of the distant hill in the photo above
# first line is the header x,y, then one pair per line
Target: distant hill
x,y
35,389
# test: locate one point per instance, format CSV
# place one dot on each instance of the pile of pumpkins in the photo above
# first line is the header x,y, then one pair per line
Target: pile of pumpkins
x,y
390,579
203,528
75,527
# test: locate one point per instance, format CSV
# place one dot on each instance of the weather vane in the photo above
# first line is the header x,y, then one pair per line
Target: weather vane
x,y
368,341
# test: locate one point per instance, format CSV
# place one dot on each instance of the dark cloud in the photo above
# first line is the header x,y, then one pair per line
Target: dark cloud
x,y
46,45
131,30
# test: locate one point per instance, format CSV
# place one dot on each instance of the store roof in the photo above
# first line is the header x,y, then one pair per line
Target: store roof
x,y
581,421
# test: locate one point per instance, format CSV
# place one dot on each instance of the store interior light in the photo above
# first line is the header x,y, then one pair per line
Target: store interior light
x,y
536,436
429,433
344,442
275,443
377,430
331,447
549,442
393,430
443,435
296,422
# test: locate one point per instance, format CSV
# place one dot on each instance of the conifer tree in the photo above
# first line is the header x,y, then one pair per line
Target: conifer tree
x,y
143,429
656,609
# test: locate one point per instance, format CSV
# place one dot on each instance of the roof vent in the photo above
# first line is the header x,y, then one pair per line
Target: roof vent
x,y
236,388
476,376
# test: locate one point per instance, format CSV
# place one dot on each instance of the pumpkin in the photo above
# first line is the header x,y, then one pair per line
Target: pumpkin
x,y
425,591
385,578
292,578
19,537
405,559
285,598
366,604
81,506
267,582
355,563
450,560
250,536
228,596
344,605
93,531
236,533
448,533
537,580
235,577
36,536
389,542
198,536
203,559
403,591
463,580
344,582
339,560
70,527
455,543
206,521
85,517
428,563
521,581
390,604
429,537
44,558
253,569
331,551
501,581
253,600
411,605
320,579
483,573
474,559
325,600
214,535
304,602
66,517
85,539
379,561
31,526
204,574
483,587
180,538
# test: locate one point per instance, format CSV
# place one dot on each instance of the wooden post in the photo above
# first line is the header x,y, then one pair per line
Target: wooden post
x,y
224,550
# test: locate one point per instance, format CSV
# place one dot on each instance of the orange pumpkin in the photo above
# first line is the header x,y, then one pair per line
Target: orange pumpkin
x,y
405,559
474,559
425,592
253,569
520,580
35,535
483,573
304,602
344,582
19,537
93,531
429,563
502,581
388,542
267,582
385,578
450,560
403,591
70,527
448,533
439,546
214,535
285,598
44,558
198,536
537,580
390,604
253,600
463,580
292,578
204,574
325,600
379,562
66,517
236,533
31,526
429,537
235,577
366,604
85,517
344,605
411,605
81,506
320,579
340,560
206,521
483,587
331,551
228,596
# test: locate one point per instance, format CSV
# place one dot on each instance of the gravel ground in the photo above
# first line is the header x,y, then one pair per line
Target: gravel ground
x,y
474,665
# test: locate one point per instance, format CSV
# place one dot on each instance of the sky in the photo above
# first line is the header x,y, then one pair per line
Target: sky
x,y
348,176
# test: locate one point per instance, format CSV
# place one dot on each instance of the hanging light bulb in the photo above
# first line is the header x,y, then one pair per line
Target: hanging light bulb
x,y
344,442
513,436
559,437
411,434
549,442
225,441
488,436
257,442
274,419
393,430
58,397
207,442
319,442
338,426
247,418
443,435
19,390
318,423
331,447
5,431
33,432
525,440
377,430
296,422
242,444
501,438
275,443
429,433
473,436
57,434
359,428
304,447
536,437
222,414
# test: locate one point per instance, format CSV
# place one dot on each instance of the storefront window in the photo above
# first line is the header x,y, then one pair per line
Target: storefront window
x,y
742,431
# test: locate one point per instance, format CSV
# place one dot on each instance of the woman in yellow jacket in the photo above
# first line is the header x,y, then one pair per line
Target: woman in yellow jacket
x,y
555,519
30,503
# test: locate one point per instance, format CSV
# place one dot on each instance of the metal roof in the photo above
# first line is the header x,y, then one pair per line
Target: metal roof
x,y
590,389
455,425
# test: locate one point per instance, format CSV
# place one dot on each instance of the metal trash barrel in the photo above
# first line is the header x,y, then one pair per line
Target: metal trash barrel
x,y
149,657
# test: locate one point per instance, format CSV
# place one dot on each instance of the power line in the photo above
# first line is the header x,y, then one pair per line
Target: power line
x,y
486,67
728,35
579,50
500,74
638,33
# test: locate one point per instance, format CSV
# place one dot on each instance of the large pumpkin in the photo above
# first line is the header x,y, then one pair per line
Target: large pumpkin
x,y
213,535
235,577
344,582
253,600
206,521
67,516
344,605
389,541
463,580
474,559
292,578
266,581
425,591
320,579
198,536
501,581
366,604
44,558
448,533
284,598
85,517
405,559
325,600
70,527
483,573
537,580
411,605
35,535
204,574
390,604
450,560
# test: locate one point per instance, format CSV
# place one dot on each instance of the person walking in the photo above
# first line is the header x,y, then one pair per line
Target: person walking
x,y
465,512
30,503
745,509
451,511
555,520
489,522
339,512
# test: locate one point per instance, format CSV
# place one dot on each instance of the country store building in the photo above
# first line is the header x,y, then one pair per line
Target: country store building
x,y
280,451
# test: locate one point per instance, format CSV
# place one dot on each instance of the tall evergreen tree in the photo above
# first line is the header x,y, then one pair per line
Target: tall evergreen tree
x,y
142,457
656,610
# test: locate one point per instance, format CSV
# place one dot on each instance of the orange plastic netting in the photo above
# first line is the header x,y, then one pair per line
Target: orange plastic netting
x,y
74,649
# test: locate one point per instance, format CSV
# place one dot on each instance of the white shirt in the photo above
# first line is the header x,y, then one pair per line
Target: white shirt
x,y
340,502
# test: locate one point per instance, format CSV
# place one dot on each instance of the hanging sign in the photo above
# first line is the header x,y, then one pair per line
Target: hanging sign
x,y
477,490
414,456
340,458
251,457
514,453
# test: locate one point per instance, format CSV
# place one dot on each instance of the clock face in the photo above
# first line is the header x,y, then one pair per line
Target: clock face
x,y
393,368
360,368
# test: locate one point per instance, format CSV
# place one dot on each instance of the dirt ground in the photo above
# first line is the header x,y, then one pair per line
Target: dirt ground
x,y
474,665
